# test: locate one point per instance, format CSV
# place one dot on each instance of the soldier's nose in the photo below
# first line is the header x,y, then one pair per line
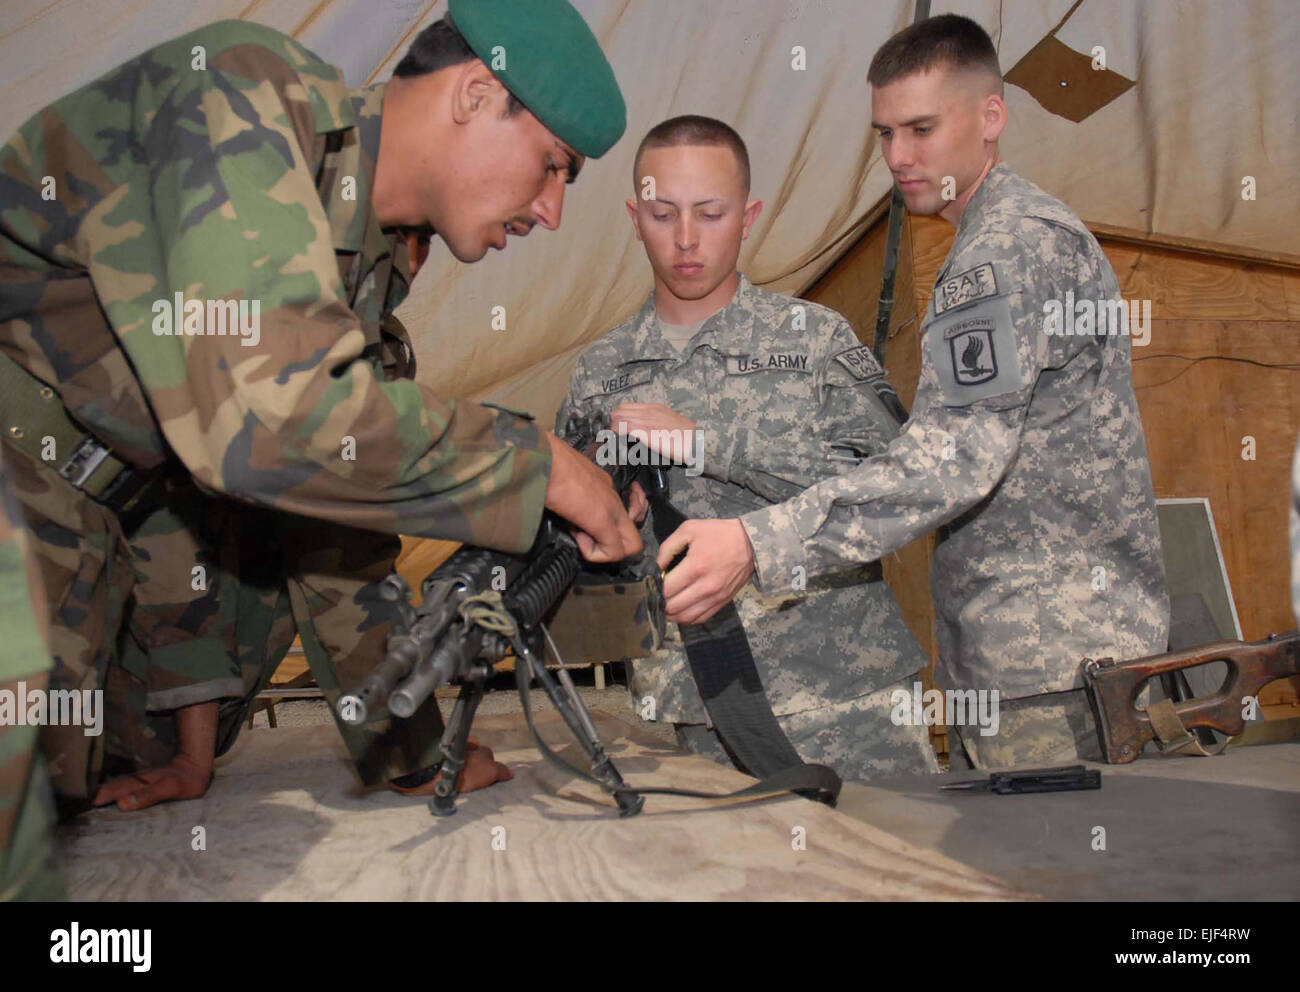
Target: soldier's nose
x,y
549,207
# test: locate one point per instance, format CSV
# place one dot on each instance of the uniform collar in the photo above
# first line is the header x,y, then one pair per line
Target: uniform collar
x,y
730,330
369,102
358,231
986,194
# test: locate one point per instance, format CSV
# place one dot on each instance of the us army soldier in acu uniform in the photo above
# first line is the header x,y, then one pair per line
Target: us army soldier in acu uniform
x,y
1024,445
232,166
764,396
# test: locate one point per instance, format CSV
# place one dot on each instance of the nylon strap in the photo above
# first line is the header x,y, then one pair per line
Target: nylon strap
x,y
729,683
1174,737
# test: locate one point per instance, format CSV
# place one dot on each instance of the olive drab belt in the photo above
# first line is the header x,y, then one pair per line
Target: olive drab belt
x,y
35,422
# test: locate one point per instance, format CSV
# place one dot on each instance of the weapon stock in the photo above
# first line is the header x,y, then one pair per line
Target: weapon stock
x,y
1114,687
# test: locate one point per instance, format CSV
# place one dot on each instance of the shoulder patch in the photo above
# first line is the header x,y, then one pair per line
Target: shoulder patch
x,y
974,284
974,353
860,362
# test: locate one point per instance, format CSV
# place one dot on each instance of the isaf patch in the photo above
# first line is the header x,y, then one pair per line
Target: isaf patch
x,y
974,353
974,284
860,362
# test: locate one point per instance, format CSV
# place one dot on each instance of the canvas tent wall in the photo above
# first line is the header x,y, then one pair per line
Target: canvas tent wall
x,y
1213,101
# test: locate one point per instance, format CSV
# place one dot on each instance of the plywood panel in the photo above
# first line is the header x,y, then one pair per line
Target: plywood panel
x,y
1195,287
419,557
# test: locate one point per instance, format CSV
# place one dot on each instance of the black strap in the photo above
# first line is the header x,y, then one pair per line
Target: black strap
x,y
729,683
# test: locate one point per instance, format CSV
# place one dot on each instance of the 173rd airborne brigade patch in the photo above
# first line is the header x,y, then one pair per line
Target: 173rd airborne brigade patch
x,y
972,338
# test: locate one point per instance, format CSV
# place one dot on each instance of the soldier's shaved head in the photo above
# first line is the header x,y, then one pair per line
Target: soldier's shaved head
x,y
948,41
694,129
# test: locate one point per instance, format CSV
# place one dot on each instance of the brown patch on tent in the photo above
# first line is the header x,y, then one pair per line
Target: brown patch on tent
x,y
1064,81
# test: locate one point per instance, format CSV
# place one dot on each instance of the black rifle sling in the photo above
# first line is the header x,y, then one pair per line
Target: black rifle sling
x,y
729,683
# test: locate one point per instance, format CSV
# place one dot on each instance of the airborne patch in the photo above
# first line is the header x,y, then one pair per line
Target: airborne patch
x,y
970,346
975,355
860,362
974,284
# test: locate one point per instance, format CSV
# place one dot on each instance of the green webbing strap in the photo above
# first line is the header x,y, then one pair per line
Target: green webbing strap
x,y
722,664
32,415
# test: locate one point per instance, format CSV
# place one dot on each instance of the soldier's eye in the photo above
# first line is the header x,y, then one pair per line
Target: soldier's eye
x,y
713,216
923,130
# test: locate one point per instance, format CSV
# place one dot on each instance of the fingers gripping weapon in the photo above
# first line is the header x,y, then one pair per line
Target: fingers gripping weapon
x,y
479,606
1124,729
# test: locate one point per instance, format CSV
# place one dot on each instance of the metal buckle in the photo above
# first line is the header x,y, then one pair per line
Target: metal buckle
x,y
88,455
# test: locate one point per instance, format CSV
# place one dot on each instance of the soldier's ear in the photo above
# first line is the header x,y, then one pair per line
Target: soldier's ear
x,y
472,89
636,218
752,209
994,117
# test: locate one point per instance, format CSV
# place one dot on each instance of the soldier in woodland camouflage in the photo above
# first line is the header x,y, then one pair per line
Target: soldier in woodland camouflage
x,y
199,256
1024,445
26,807
771,395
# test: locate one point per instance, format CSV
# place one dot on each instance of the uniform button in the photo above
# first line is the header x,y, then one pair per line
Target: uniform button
x,y
47,393
16,432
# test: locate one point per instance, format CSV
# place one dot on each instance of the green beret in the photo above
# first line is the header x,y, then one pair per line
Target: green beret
x,y
553,65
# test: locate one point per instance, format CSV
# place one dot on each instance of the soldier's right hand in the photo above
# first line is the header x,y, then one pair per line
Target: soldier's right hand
x,y
585,496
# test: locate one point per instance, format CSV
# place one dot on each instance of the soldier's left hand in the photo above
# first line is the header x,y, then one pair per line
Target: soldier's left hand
x,y
643,418
180,778
719,561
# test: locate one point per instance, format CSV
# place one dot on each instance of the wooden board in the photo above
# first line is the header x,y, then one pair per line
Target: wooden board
x,y
284,820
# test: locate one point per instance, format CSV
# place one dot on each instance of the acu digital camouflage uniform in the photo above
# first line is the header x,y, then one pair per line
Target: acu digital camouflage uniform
x,y
783,395
1028,446
167,179
26,808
